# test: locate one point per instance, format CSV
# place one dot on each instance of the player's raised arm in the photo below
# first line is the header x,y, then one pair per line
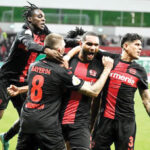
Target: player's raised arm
x,y
145,95
95,89
72,52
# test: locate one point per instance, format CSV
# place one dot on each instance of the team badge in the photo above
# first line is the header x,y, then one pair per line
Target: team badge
x,y
93,73
132,71
75,80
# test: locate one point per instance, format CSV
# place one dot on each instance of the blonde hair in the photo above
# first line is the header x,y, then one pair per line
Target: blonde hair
x,y
53,40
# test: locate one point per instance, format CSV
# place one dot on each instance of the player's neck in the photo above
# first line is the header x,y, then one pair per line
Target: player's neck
x,y
80,56
126,58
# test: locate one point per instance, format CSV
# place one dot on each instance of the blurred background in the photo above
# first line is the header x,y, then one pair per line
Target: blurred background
x,y
110,19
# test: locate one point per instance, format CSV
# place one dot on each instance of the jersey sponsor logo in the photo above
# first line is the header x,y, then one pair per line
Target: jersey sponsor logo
x,y
123,78
132,71
93,73
40,70
75,80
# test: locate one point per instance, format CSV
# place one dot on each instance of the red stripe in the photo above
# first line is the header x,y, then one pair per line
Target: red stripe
x,y
113,89
71,109
39,40
31,59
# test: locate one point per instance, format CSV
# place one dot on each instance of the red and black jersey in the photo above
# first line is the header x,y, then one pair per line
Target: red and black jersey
x,y
75,107
23,52
46,82
120,88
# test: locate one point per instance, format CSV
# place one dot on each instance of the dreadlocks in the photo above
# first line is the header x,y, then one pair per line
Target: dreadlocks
x,y
75,33
28,11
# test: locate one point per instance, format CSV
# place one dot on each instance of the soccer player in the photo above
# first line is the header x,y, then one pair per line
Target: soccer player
x,y
117,119
24,50
75,109
40,125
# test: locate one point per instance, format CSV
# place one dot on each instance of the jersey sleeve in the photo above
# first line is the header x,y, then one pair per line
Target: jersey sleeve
x,y
69,80
26,38
100,54
143,82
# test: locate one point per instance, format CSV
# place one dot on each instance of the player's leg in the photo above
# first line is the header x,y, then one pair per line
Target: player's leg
x,y
104,135
79,137
65,131
4,99
51,140
67,145
12,131
126,131
26,142
17,102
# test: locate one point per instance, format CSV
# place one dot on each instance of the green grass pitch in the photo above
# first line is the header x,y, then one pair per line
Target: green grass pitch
x,y
142,119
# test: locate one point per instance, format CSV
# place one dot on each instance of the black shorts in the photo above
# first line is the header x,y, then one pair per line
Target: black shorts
x,y
17,101
120,132
4,97
43,141
77,136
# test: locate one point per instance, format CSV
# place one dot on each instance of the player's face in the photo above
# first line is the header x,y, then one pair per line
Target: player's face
x,y
134,49
38,19
90,47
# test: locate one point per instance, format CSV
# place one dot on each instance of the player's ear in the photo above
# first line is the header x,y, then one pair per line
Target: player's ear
x,y
58,49
80,42
125,45
29,19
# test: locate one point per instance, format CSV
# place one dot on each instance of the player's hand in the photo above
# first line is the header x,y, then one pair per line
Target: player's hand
x,y
107,62
66,59
13,90
53,54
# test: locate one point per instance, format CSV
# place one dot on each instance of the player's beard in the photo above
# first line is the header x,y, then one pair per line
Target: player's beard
x,y
86,55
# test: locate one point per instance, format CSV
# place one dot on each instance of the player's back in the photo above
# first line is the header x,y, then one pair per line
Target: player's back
x,y
43,98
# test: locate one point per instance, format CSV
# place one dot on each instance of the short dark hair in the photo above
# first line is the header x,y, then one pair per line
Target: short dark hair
x,y
130,37
88,34
28,11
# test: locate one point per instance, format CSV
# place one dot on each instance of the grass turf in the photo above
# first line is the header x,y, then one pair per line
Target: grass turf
x,y
142,119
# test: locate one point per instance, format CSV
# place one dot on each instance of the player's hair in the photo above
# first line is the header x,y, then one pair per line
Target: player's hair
x,y
28,11
130,37
53,40
74,33
88,34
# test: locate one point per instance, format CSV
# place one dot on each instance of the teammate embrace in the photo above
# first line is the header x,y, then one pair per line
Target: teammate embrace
x,y
58,103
